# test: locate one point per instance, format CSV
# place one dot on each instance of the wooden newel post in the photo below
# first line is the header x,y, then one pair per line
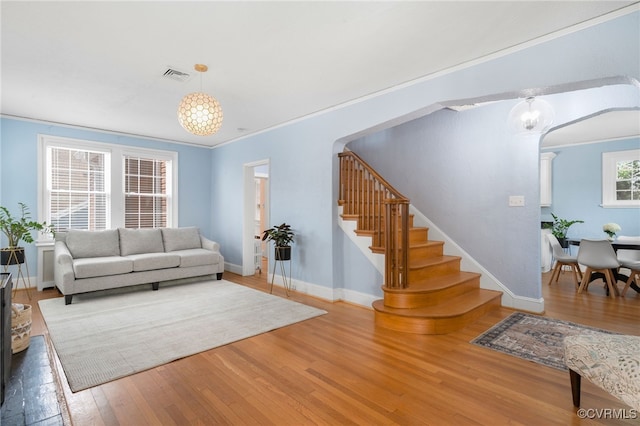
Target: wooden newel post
x,y
397,243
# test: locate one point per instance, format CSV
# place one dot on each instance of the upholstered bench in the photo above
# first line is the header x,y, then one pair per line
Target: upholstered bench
x,y
610,361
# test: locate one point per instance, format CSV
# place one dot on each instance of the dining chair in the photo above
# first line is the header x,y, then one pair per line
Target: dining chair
x,y
634,273
563,259
598,256
624,254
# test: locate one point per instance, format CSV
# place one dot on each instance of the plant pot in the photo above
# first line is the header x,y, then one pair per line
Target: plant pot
x,y
563,242
11,255
283,253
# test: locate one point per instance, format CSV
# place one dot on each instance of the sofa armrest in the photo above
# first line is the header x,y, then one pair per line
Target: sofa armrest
x,y
209,245
61,253
215,247
63,268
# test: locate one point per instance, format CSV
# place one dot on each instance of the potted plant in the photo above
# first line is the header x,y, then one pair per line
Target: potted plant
x,y
560,227
18,229
282,237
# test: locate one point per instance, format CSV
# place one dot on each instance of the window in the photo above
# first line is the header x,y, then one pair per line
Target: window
x,y
145,191
94,186
77,194
621,179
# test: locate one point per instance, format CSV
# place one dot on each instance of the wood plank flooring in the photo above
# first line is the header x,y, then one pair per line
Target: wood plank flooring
x,y
340,369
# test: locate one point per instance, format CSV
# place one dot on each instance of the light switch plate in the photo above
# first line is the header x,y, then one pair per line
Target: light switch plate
x,y
516,201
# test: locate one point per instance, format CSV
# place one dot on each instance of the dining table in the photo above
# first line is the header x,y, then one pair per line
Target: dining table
x,y
617,245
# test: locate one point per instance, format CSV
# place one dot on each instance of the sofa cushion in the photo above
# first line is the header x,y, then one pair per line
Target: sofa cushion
x,y
101,266
83,244
181,238
152,261
197,257
136,241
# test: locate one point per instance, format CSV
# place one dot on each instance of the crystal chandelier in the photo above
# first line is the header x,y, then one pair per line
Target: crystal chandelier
x,y
199,113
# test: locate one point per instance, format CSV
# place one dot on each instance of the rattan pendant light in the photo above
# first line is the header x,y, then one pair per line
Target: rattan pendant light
x,y
198,112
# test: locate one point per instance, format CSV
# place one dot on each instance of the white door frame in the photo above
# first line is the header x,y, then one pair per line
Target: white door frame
x,y
248,225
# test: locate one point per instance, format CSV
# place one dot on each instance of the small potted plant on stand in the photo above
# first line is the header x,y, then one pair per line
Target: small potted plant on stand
x,y
560,227
282,237
17,230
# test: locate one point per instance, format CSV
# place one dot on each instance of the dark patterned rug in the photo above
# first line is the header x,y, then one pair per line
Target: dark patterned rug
x,y
533,337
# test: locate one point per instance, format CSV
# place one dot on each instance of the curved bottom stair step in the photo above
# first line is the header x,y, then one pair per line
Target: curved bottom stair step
x,y
431,291
446,317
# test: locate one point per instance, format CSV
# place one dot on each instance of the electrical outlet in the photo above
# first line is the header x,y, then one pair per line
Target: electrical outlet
x,y
516,201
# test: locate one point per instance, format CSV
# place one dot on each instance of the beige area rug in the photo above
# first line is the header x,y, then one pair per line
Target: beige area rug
x,y
101,337
533,337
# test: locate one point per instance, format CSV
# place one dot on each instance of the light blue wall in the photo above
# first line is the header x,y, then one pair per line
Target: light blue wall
x,y
303,165
577,190
18,170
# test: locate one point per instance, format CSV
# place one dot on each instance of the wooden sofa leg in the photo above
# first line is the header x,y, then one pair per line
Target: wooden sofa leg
x,y
155,286
575,387
67,299
219,276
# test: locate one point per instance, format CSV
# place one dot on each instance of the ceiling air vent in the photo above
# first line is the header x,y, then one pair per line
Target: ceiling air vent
x,y
176,75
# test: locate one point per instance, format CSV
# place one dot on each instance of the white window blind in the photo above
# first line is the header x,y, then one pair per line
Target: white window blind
x,y
145,192
77,196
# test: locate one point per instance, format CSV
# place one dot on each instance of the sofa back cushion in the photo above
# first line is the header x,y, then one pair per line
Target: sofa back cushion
x,y
138,241
181,238
93,243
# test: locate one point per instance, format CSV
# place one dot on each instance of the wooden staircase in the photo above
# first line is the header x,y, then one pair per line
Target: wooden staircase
x,y
430,295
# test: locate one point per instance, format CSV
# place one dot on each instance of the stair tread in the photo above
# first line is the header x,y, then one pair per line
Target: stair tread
x,y
455,306
434,284
426,244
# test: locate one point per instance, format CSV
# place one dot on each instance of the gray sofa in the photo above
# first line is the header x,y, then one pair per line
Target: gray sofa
x,y
88,261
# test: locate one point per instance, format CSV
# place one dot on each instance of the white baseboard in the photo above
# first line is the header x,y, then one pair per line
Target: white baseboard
x,y
236,269
328,294
315,290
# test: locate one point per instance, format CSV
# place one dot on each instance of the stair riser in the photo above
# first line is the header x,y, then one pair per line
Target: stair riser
x,y
423,252
429,298
434,325
418,235
437,270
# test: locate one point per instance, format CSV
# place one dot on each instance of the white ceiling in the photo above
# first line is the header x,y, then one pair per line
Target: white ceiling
x,y
100,65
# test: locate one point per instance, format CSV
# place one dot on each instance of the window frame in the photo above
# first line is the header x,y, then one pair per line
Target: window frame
x,y
609,177
115,184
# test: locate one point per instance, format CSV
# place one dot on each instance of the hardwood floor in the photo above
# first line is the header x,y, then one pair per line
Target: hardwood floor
x,y
341,369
